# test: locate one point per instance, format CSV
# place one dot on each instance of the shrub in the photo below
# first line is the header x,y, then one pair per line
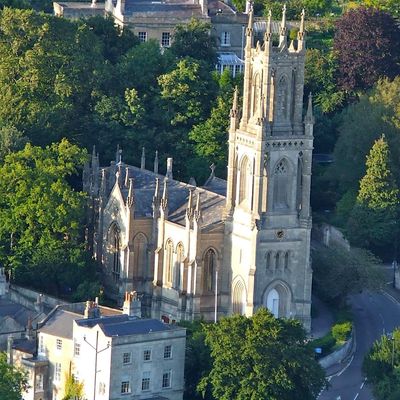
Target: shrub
x,y
341,331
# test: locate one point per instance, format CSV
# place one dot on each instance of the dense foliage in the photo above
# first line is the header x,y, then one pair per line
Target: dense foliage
x,y
365,45
261,358
13,381
381,367
338,272
43,217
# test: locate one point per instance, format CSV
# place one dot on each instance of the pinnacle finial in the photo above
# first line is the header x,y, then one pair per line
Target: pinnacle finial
x,y
283,29
127,177
268,31
249,30
164,199
197,211
130,199
309,114
156,163
143,159
301,32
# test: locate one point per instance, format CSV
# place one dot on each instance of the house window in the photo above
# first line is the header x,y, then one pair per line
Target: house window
x,y
39,383
102,388
125,388
146,381
126,358
41,344
57,372
77,349
225,39
142,36
147,355
165,39
166,380
58,344
167,352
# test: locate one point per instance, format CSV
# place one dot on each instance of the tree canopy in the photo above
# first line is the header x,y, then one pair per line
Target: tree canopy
x,y
42,216
381,366
365,46
13,381
338,272
261,358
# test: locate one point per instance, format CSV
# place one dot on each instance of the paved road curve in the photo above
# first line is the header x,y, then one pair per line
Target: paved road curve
x,y
374,314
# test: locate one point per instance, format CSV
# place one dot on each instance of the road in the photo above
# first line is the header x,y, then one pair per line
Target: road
x,y
374,315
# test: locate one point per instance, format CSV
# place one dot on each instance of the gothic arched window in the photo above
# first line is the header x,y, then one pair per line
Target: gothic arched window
x,y
286,262
268,262
116,252
140,254
281,185
180,254
244,180
169,259
239,298
282,98
210,264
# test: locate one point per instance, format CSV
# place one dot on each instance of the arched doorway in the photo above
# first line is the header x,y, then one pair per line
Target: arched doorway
x,y
239,298
273,302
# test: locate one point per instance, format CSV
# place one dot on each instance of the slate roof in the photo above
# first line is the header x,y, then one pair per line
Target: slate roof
x,y
60,323
25,345
123,325
212,196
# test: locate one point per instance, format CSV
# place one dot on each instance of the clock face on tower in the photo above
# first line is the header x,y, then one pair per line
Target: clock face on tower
x,y
280,234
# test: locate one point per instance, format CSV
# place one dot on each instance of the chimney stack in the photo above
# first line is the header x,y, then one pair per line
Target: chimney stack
x,y
132,305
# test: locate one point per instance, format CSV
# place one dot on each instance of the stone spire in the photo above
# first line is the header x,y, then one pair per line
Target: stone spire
x,y
130,200
283,29
249,30
118,155
189,209
169,168
143,159
309,119
156,163
234,113
156,196
126,177
103,185
301,34
268,32
197,211
164,198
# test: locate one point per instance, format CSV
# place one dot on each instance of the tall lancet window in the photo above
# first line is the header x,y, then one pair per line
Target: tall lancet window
x,y
169,260
299,189
256,95
116,252
282,99
239,298
244,180
140,254
178,265
210,265
281,185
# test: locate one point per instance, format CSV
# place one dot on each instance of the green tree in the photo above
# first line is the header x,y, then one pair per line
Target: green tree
x,y
261,358
197,359
381,367
13,381
194,40
74,390
338,272
42,216
10,140
49,68
372,222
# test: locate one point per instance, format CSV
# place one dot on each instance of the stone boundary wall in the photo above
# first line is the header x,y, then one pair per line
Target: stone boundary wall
x,y
329,236
32,299
339,355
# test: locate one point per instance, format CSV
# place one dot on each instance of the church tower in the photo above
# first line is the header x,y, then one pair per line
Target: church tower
x,y
268,222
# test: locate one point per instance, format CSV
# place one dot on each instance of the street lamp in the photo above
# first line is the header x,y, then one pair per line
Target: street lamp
x,y
95,348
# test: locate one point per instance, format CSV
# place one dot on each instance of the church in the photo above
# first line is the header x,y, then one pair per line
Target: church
x,y
228,246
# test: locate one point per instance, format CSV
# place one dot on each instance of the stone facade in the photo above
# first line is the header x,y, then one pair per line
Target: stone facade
x,y
229,246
